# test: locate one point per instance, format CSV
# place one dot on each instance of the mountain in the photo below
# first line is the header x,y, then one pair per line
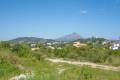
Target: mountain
x,y
69,37
31,40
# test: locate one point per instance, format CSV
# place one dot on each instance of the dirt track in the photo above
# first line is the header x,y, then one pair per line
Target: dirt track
x,y
93,65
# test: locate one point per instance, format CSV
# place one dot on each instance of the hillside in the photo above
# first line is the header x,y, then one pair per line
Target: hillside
x,y
31,40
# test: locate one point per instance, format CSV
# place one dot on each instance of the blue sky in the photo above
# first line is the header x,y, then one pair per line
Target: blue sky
x,y
54,18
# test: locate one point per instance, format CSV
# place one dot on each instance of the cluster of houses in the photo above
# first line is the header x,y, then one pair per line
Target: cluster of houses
x,y
52,45
34,46
113,45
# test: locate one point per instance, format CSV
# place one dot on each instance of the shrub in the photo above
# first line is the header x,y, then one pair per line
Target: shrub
x,y
5,45
21,49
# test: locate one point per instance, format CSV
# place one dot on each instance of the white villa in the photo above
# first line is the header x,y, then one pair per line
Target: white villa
x,y
115,46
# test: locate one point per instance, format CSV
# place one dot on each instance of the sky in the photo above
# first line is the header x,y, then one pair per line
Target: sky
x,y
55,18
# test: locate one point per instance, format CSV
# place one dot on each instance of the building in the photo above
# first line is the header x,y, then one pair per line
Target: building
x,y
51,47
115,46
78,44
33,45
49,44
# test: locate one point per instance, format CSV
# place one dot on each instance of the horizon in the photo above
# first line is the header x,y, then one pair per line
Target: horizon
x,y
51,19
58,37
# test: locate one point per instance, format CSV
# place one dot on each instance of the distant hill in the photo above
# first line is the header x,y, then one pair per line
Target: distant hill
x,y
69,37
66,38
31,40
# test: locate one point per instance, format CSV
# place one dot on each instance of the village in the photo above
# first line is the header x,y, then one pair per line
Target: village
x,y
113,45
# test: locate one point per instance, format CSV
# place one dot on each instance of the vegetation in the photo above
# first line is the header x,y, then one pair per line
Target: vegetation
x,y
97,54
21,49
8,66
4,45
18,59
52,72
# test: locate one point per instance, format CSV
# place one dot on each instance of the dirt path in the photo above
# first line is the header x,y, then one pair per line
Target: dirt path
x,y
93,65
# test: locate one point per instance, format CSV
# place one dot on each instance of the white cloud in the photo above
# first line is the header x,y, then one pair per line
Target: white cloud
x,y
83,11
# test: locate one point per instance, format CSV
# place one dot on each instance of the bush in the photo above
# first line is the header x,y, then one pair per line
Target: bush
x,y
86,73
7,69
5,45
22,50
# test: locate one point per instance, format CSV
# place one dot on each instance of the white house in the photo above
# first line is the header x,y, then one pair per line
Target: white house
x,y
78,44
115,46
49,44
33,45
51,47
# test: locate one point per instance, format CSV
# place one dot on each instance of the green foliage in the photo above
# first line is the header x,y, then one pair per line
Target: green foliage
x,y
44,70
95,53
7,69
22,50
3,67
37,55
86,73
4,45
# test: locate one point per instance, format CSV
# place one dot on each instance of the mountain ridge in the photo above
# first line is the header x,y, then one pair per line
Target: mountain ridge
x,y
31,40
66,38
69,37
